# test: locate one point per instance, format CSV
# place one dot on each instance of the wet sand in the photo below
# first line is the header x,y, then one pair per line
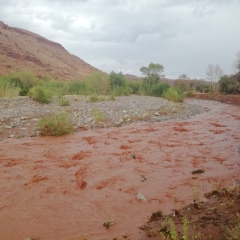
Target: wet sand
x,y
67,187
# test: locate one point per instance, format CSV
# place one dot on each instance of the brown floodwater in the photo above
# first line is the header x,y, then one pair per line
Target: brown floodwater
x,y
66,188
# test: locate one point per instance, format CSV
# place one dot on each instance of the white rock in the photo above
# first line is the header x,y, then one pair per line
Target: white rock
x,y
140,197
23,118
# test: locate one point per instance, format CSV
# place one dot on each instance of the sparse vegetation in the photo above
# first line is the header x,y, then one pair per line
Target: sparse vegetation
x,y
41,94
172,233
112,97
7,90
217,217
233,233
94,98
97,115
172,94
55,125
63,101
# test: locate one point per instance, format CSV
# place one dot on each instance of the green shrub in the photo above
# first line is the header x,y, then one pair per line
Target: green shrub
x,y
26,80
77,87
63,102
59,88
120,91
55,125
229,85
94,98
172,94
111,97
97,83
159,88
8,90
173,234
41,94
134,86
97,115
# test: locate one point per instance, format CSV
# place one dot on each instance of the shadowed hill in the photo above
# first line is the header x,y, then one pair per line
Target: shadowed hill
x,y
21,50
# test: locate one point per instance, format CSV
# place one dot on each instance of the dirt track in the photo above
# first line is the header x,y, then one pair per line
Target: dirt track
x,y
67,187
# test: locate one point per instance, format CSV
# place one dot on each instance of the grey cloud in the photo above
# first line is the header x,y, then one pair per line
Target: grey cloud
x,y
123,35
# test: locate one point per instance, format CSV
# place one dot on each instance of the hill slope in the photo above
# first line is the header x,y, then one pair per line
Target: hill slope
x,y
21,50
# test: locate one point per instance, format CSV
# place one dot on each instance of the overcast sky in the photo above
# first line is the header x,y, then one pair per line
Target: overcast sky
x,y
123,35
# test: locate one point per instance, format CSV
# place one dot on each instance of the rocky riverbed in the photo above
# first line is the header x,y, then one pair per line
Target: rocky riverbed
x,y
19,116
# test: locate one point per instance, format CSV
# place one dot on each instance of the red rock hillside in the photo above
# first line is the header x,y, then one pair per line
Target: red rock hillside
x,y
21,50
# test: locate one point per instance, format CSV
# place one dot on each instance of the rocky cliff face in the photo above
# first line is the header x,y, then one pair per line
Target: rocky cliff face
x,y
21,50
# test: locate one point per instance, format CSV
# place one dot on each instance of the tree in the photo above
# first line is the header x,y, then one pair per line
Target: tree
x,y
183,77
116,80
214,73
118,84
236,63
153,74
230,84
98,83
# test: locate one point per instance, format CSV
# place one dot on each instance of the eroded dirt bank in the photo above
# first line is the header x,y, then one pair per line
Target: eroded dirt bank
x,y
67,187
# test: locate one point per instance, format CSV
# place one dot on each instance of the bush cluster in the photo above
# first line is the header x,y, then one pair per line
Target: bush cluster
x,y
230,84
173,94
55,125
94,85
41,94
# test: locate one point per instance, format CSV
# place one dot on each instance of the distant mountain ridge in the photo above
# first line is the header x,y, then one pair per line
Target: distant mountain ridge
x,y
132,77
22,50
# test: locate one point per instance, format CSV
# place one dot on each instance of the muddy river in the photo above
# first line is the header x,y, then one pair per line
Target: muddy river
x,y
66,188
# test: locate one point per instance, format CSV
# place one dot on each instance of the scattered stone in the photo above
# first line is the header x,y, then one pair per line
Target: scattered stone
x,y
198,171
119,122
133,156
140,197
23,118
90,119
157,114
143,178
12,135
109,224
17,120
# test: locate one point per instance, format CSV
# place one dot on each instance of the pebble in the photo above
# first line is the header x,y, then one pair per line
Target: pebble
x,y
23,113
